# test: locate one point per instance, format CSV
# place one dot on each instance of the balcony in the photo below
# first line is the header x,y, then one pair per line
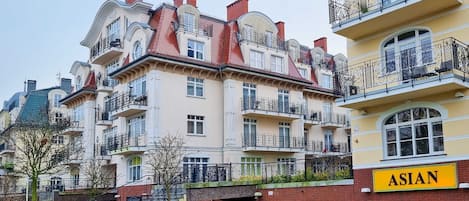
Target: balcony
x,y
74,128
333,120
200,30
102,152
106,49
106,85
318,147
366,84
272,143
7,149
247,36
73,155
312,118
355,19
271,108
103,118
126,145
126,104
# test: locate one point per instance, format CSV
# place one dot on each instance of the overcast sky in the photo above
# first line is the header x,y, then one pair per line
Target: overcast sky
x,y
41,38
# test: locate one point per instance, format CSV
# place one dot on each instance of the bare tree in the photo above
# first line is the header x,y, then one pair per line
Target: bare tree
x,y
99,177
165,162
36,154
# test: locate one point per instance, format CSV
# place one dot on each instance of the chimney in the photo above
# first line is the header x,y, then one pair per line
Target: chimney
x,y
30,85
192,2
322,43
281,30
66,85
177,3
130,2
236,9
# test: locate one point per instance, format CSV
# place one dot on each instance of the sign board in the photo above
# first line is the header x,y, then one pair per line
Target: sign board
x,y
439,176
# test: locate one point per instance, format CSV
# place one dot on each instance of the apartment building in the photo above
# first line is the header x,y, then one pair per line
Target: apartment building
x,y
406,83
29,106
235,90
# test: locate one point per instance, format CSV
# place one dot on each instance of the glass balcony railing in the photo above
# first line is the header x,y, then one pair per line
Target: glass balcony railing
x,y
263,39
272,141
271,105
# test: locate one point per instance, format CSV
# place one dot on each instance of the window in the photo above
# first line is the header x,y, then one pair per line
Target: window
x,y
58,139
408,52
326,81
286,166
303,72
249,96
251,166
249,32
250,132
268,38
195,49
136,126
135,167
327,112
75,177
113,30
256,59
138,87
328,141
57,98
283,101
413,132
189,22
110,68
137,50
195,125
78,113
284,134
78,83
195,87
195,168
277,64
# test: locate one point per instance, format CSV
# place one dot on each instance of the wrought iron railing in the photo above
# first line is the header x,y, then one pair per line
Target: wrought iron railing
x,y
123,142
333,118
104,44
342,11
200,29
263,39
271,105
320,147
124,100
313,116
272,141
410,67
103,115
107,82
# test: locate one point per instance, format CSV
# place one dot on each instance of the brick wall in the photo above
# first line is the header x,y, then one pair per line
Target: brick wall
x,y
363,178
129,191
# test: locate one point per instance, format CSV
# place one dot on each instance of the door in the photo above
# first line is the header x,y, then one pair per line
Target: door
x,y
408,60
283,102
249,96
328,141
250,136
284,135
327,112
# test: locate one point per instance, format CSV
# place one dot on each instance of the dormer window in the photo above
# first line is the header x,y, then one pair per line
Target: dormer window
x,y
195,49
137,50
268,38
277,64
189,22
256,59
249,32
326,81
78,83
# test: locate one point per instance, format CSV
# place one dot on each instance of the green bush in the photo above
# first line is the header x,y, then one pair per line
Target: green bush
x,y
342,174
280,179
8,165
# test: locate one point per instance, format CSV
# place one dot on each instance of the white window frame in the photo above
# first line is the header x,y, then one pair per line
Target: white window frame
x,y
134,169
326,80
196,48
429,121
286,166
138,87
256,59
195,85
136,126
189,22
199,163
113,30
57,98
276,64
269,38
58,139
78,113
137,50
197,122
110,68
303,72
251,166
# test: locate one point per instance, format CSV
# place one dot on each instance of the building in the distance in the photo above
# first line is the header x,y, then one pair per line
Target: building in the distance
x,y
407,84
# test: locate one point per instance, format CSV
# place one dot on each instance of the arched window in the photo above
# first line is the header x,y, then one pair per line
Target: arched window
x,y
137,51
408,52
135,168
413,132
78,83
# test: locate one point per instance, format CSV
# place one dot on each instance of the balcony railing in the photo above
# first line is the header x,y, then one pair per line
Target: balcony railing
x,y
333,118
125,100
105,44
262,39
73,127
106,84
320,147
271,105
445,57
125,143
7,148
272,141
200,29
314,116
341,11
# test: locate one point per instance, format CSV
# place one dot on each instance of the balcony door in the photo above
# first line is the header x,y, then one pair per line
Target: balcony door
x,y
327,112
250,132
408,60
284,135
283,101
328,141
249,96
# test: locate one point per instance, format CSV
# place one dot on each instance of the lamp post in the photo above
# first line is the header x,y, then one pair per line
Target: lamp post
x,y
27,188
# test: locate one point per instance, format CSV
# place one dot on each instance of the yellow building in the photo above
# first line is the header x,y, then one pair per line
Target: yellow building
x,y
407,83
